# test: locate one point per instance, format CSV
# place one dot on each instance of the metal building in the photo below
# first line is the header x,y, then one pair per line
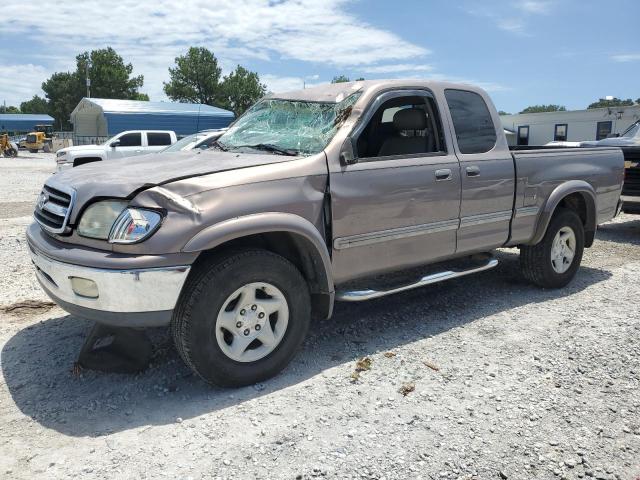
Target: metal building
x,y
15,123
572,126
100,117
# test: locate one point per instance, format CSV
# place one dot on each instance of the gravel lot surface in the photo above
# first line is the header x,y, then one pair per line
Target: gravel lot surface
x,y
483,377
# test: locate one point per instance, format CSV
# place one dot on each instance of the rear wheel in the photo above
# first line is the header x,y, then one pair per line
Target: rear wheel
x,y
11,152
33,150
554,261
242,317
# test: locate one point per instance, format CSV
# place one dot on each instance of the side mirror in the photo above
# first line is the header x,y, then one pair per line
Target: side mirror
x,y
115,144
347,153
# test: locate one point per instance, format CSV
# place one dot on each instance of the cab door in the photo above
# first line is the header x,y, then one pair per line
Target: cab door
x,y
395,208
487,173
127,145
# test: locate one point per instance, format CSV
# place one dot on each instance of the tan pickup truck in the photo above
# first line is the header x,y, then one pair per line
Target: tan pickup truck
x,y
308,198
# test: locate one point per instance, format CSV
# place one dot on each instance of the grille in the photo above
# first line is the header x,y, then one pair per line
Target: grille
x,y
631,185
53,208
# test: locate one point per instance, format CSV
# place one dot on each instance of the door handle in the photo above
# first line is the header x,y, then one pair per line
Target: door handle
x,y
443,174
473,171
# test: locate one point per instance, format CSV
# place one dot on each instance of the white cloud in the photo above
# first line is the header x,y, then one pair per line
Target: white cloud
x,y
536,6
151,35
397,68
276,84
513,16
627,57
513,25
22,83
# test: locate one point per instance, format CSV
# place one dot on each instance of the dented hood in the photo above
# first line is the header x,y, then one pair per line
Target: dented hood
x,y
123,178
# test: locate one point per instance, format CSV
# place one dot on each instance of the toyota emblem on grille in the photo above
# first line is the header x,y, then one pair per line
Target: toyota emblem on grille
x,y
42,200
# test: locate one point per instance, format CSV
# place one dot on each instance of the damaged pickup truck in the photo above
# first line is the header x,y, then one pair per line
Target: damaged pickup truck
x,y
310,197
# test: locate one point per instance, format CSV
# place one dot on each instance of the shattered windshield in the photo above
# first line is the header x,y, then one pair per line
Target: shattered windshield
x,y
632,131
288,127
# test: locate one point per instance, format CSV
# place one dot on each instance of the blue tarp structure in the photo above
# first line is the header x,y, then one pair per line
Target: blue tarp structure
x,y
101,117
22,122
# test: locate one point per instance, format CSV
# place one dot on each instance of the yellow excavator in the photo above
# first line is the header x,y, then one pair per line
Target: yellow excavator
x,y
7,148
40,139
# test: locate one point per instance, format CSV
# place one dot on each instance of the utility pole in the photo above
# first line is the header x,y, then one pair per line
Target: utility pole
x,y
88,79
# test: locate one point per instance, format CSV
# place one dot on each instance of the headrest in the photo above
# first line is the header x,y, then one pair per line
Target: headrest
x,y
410,119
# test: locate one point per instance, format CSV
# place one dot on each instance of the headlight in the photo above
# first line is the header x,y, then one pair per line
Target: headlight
x,y
60,154
115,221
97,220
134,225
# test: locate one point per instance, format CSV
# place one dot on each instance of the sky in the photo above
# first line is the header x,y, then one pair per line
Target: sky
x,y
524,52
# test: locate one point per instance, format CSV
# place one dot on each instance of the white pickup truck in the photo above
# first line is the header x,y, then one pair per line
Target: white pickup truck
x,y
125,144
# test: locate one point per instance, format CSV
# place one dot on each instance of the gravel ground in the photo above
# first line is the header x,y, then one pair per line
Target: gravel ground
x,y
483,377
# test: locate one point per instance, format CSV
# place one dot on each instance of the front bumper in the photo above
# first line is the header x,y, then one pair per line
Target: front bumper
x,y
62,166
143,297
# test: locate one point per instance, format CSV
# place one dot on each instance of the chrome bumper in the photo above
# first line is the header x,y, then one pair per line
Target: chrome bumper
x,y
137,298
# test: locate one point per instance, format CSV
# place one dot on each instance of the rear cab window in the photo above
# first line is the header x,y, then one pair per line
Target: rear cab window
x,y
158,139
475,131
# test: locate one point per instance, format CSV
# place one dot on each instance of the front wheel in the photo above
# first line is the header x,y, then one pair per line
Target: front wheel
x,y
554,261
242,317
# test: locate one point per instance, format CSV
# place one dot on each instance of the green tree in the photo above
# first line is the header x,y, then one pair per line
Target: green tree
x,y
110,78
195,78
36,105
241,89
340,79
544,108
616,102
9,109
61,90
502,112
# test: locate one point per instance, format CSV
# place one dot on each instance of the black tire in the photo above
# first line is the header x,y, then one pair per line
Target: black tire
x,y
11,152
46,148
205,294
535,260
33,150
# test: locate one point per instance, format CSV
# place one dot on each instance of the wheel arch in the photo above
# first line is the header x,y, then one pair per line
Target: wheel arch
x,y
576,195
288,235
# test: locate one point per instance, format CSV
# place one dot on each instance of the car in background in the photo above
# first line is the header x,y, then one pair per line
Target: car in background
x,y
629,138
126,144
629,142
201,140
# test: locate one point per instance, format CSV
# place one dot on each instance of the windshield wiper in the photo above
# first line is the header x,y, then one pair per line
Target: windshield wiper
x,y
268,147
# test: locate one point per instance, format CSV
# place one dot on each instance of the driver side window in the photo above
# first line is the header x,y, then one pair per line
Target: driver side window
x,y
404,126
130,140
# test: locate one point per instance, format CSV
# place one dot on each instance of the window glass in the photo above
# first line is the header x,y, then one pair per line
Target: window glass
x,y
523,135
632,131
296,126
560,134
131,140
155,139
472,121
402,126
603,130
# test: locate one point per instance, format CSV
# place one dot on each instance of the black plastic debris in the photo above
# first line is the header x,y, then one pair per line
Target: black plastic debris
x,y
115,350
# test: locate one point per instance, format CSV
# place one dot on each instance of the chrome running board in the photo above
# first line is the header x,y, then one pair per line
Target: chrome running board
x,y
369,294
